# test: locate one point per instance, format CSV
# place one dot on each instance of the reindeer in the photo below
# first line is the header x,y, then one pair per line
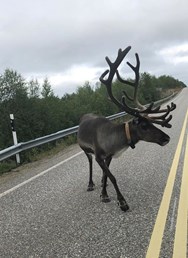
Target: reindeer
x,y
105,139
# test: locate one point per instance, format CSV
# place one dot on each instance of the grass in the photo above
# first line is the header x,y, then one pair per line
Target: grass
x,y
7,166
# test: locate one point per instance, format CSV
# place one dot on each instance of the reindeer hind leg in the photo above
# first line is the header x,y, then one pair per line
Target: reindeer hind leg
x,y
91,185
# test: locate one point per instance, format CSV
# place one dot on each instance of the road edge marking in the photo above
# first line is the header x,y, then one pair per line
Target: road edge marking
x,y
180,241
39,175
158,231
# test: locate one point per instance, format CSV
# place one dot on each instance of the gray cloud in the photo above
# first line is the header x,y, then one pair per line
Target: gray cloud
x,y
50,37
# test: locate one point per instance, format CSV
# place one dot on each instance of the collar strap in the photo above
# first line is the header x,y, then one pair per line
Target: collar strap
x,y
128,134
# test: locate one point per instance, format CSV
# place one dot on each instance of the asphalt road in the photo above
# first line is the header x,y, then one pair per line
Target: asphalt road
x,y
52,215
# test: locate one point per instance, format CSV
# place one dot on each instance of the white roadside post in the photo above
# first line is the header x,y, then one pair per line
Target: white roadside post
x,y
14,136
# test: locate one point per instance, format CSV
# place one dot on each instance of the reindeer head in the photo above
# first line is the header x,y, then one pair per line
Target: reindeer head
x,y
142,124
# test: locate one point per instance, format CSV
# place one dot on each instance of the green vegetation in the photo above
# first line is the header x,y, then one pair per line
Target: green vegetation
x,y
38,112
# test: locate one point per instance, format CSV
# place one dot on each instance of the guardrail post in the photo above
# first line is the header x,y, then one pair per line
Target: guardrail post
x,y
15,140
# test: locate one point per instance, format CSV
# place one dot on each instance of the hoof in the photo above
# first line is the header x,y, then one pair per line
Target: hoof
x,y
105,198
123,206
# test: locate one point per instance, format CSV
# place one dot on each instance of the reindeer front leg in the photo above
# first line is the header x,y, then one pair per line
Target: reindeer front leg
x,y
121,200
104,195
104,177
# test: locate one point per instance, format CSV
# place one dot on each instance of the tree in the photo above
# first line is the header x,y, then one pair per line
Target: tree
x,y
148,89
167,82
47,89
34,88
13,99
12,85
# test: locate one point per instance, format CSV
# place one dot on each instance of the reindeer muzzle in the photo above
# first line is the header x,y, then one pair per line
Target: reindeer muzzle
x,y
164,140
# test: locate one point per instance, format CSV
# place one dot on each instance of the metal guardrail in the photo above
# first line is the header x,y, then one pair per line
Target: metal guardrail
x,y
13,150
8,152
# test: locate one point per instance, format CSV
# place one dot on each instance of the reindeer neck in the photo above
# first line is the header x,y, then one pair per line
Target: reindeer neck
x,y
131,134
121,136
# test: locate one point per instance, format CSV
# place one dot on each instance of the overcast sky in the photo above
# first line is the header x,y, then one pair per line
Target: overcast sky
x,y
67,40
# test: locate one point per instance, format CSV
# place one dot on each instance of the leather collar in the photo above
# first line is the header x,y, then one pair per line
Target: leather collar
x,y
128,134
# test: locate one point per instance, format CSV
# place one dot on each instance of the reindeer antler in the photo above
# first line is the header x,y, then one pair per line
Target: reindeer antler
x,y
141,110
113,69
164,119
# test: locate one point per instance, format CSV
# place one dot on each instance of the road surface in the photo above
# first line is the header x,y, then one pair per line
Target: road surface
x,y
46,212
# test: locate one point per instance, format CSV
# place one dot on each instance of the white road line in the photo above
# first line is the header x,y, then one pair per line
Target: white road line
x,y
39,175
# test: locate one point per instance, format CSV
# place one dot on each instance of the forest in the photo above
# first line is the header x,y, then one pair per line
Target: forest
x,y
38,112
